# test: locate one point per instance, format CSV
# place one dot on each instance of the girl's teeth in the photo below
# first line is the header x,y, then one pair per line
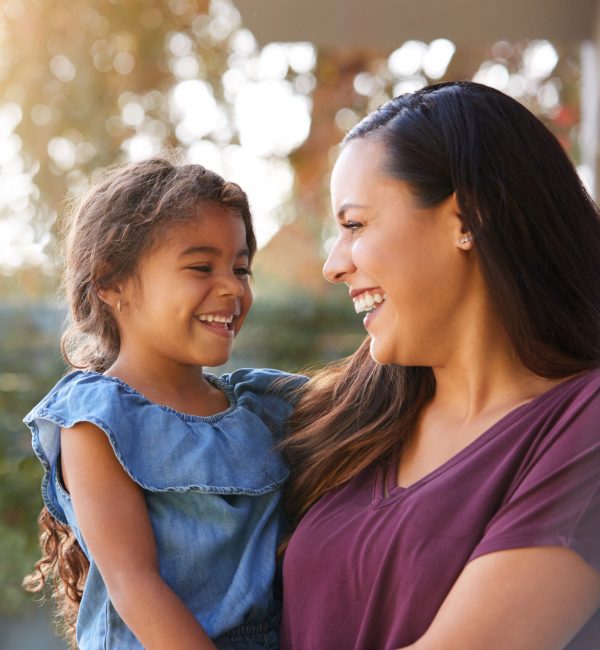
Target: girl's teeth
x,y
210,318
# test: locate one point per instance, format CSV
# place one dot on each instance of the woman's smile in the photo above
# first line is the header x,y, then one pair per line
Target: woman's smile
x,y
369,301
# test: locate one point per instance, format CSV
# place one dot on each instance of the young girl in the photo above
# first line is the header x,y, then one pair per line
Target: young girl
x,y
165,475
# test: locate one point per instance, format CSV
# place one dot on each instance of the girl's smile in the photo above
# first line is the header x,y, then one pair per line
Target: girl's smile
x,y
219,322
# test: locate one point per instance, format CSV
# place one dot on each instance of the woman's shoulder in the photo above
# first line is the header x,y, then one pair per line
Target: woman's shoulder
x,y
574,398
586,382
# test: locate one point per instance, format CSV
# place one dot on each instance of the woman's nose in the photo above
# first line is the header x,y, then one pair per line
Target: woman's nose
x,y
338,263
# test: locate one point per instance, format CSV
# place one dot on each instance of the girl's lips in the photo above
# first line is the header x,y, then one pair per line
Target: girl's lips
x,y
221,329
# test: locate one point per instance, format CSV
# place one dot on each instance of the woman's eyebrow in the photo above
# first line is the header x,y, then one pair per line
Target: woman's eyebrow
x,y
348,206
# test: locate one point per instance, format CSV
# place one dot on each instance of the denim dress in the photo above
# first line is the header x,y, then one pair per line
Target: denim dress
x,y
212,487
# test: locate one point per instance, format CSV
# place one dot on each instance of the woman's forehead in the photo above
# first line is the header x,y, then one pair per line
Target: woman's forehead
x,y
359,175
358,163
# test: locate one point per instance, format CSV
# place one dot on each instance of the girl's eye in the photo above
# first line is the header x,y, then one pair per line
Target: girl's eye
x,y
202,268
243,271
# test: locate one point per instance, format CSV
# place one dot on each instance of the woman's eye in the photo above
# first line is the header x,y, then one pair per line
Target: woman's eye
x,y
243,271
202,268
353,226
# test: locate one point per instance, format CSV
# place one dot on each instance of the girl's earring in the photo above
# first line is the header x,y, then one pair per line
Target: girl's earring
x,y
466,239
119,306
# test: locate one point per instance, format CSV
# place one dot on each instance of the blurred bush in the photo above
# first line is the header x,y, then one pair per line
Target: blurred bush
x,y
29,366
288,333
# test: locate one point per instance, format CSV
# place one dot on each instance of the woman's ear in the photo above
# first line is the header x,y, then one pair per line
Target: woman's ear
x,y
465,241
462,236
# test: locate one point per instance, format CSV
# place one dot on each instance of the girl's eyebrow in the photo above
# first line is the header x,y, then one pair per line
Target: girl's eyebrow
x,y
211,250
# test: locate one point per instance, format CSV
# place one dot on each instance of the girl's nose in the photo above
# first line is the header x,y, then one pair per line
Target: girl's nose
x,y
338,264
232,285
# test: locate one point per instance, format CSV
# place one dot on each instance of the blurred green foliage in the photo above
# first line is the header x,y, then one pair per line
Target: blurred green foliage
x,y
29,366
288,333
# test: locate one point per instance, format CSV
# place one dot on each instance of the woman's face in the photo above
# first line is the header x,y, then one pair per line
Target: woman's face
x,y
404,265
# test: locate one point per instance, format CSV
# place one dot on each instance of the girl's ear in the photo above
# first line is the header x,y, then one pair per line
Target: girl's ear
x,y
112,296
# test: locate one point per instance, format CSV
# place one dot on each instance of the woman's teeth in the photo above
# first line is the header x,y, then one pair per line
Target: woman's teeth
x,y
368,301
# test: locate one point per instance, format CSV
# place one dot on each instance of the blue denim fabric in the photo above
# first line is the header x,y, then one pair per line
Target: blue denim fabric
x,y
212,487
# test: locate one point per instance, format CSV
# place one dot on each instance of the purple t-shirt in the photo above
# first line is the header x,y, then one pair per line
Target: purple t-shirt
x,y
370,564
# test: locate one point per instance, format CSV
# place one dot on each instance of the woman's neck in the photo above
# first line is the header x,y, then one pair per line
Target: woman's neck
x,y
485,375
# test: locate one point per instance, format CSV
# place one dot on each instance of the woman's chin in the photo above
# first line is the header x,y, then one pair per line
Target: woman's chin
x,y
391,355
379,354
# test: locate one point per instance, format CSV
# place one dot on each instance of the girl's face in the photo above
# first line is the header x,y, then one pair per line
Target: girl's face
x,y
404,265
191,294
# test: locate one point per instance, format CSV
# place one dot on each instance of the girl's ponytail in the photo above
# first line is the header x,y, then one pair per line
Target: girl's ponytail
x,y
63,568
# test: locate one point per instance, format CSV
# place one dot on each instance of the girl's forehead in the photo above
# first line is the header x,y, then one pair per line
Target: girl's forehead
x,y
214,226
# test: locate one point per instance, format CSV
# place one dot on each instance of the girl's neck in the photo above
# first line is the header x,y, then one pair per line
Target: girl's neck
x,y
183,388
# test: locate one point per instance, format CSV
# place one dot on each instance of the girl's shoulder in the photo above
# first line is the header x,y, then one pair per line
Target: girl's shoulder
x,y
162,449
79,391
264,383
88,396
266,393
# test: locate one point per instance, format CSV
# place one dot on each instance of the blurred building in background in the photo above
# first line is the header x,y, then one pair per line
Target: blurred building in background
x,y
261,91
545,53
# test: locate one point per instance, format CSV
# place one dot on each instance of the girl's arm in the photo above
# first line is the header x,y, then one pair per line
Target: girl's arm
x,y
521,599
113,518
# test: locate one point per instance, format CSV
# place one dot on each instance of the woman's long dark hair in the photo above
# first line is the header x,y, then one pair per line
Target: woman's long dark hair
x,y
537,234
118,222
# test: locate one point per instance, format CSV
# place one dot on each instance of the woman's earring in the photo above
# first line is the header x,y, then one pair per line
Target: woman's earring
x,y
466,239
119,306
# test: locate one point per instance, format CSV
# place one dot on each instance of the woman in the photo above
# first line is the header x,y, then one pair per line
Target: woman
x,y
446,477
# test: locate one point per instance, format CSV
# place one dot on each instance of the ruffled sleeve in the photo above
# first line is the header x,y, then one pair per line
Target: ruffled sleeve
x,y
271,394
162,450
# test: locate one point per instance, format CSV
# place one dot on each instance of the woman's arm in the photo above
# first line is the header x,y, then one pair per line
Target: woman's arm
x,y
113,518
521,599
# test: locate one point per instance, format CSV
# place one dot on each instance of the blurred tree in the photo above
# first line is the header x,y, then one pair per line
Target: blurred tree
x,y
93,76
351,82
85,84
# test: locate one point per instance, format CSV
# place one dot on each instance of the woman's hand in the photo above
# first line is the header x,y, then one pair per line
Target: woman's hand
x,y
113,518
521,599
